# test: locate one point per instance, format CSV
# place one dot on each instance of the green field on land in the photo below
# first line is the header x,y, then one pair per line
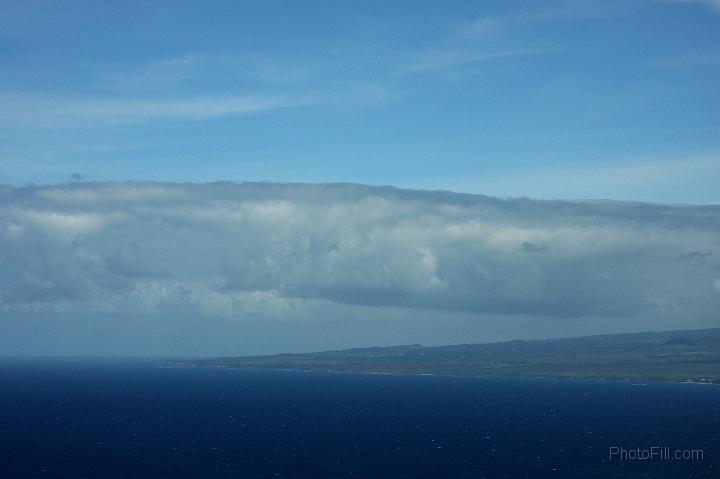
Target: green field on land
x,y
692,355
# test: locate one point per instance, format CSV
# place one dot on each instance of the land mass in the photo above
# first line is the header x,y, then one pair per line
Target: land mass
x,y
689,355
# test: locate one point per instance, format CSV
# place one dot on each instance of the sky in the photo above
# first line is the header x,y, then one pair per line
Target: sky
x,y
230,178
556,99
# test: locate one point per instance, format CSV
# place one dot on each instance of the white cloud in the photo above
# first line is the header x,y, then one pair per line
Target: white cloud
x,y
443,59
687,59
35,110
109,193
318,266
184,71
634,179
486,26
236,250
713,4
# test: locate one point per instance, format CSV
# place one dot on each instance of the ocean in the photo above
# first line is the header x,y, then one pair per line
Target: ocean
x,y
62,418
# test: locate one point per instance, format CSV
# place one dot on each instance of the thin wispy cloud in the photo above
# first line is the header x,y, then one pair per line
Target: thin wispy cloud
x,y
452,58
486,26
687,60
632,179
714,5
512,32
504,35
25,110
139,92
188,71
160,73
512,20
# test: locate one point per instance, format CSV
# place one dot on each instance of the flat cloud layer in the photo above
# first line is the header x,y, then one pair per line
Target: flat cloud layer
x,y
271,254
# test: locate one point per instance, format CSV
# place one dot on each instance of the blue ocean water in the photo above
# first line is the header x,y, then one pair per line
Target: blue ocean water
x,y
135,419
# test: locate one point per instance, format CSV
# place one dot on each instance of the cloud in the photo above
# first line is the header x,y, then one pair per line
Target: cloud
x,y
686,60
442,59
511,33
486,26
712,4
34,110
639,179
485,39
189,70
278,251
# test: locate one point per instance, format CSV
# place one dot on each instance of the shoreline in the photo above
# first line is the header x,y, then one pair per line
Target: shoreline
x,y
635,382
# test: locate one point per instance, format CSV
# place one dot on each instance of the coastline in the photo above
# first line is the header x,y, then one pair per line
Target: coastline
x,y
688,357
631,381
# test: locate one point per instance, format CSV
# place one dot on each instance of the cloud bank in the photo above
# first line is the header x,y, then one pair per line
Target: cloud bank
x,y
269,253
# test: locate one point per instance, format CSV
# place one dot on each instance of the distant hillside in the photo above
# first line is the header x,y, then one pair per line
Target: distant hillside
x,y
692,355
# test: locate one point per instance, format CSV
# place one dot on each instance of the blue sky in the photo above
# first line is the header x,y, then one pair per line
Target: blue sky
x,y
568,99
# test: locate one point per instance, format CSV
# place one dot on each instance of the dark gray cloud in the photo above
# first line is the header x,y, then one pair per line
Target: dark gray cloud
x,y
278,252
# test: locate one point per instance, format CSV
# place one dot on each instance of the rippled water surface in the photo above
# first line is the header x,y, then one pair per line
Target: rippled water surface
x,y
120,419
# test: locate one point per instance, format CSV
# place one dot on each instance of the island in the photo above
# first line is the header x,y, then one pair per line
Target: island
x,y
679,356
